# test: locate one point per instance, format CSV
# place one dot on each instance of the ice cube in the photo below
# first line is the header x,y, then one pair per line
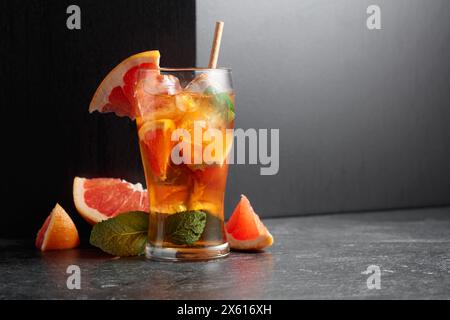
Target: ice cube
x,y
186,102
221,103
162,84
203,84
154,95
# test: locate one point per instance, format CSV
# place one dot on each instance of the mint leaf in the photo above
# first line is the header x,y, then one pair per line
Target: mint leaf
x,y
210,90
224,99
223,102
185,227
123,235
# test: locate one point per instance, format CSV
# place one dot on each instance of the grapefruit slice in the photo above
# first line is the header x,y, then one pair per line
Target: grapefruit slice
x,y
155,137
116,92
103,198
245,231
58,232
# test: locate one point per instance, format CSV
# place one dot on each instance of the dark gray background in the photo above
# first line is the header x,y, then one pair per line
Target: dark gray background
x,y
364,116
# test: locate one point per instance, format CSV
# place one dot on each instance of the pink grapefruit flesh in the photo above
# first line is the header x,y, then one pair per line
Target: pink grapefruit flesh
x,y
116,92
102,198
58,232
244,229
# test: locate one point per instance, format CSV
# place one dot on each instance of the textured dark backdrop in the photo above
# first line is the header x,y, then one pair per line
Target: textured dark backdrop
x,y
48,76
364,116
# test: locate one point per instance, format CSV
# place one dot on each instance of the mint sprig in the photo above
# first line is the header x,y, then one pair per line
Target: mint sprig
x,y
123,235
126,234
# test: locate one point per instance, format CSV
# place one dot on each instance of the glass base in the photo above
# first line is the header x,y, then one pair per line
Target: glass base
x,y
186,254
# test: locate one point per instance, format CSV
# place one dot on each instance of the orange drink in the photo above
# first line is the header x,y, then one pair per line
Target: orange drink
x,y
185,127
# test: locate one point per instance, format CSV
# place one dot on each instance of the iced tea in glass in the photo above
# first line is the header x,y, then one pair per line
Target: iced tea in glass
x,y
185,128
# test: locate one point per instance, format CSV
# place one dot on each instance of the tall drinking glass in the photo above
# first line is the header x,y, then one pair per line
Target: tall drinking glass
x,y
185,128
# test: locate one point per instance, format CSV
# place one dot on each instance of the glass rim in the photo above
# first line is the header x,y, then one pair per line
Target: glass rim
x,y
190,69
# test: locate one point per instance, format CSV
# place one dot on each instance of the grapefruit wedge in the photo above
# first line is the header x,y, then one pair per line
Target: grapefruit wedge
x,y
116,92
245,231
103,198
155,137
58,232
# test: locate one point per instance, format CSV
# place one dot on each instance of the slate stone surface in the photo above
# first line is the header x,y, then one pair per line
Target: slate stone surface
x,y
317,257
